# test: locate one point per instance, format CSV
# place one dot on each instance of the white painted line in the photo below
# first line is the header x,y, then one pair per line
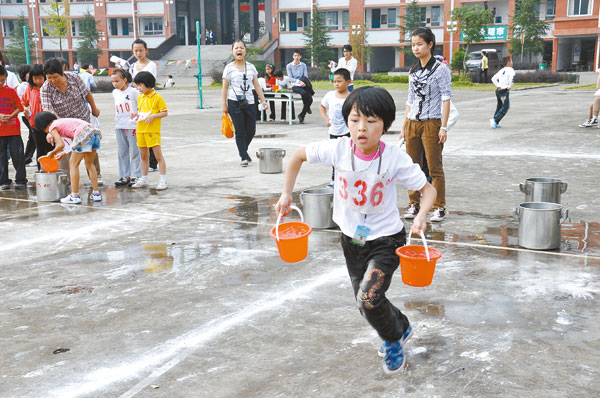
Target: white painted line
x,y
521,154
164,357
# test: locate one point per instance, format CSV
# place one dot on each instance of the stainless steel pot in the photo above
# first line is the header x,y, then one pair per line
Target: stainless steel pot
x,y
51,187
541,189
271,160
539,224
318,207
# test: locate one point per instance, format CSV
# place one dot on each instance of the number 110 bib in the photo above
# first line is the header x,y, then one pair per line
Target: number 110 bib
x,y
361,191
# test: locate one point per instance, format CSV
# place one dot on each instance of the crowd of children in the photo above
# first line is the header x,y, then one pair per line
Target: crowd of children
x,y
139,110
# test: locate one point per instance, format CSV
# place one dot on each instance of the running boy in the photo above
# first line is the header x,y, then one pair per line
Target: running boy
x,y
331,108
503,80
365,209
151,108
10,135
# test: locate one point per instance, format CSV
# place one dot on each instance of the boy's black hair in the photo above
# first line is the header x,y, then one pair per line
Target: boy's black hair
x,y
23,70
297,51
124,74
371,101
43,120
505,60
36,70
85,66
3,71
139,41
278,73
145,78
347,47
343,72
53,65
170,76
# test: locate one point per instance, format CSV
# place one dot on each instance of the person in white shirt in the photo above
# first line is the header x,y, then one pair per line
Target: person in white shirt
x,y
348,62
169,82
284,82
87,77
503,80
365,208
24,76
125,96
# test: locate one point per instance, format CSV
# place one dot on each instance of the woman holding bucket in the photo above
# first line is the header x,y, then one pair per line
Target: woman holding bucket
x,y
238,99
364,207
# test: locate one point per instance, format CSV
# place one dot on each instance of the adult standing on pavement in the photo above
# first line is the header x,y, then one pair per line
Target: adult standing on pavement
x,y
238,100
484,68
66,95
348,62
425,128
298,74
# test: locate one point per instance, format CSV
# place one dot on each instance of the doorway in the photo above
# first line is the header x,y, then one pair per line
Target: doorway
x,y
182,30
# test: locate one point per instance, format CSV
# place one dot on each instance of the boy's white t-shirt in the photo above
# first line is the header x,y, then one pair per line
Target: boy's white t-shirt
x,y
237,85
125,105
396,165
333,104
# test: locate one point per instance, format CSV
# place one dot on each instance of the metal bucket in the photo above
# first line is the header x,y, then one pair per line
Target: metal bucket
x,y
51,187
539,224
318,207
271,160
541,189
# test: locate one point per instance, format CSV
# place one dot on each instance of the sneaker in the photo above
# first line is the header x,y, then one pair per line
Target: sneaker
x,y
309,111
284,121
244,163
301,119
96,197
407,335
162,185
20,186
394,359
438,215
589,123
5,187
139,183
152,169
411,212
585,124
249,159
71,199
132,181
122,182
493,124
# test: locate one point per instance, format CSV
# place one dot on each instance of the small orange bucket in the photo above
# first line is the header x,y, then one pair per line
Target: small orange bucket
x,y
275,87
49,165
417,263
292,238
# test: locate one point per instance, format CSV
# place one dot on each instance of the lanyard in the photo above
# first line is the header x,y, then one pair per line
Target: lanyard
x,y
352,149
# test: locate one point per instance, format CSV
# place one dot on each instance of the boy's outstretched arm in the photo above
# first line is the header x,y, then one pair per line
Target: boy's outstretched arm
x,y
429,194
324,116
293,168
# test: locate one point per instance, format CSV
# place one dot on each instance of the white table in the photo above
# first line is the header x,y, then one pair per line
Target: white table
x,y
283,97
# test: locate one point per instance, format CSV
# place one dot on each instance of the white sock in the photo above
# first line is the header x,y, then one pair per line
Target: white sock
x,y
163,177
145,178
95,192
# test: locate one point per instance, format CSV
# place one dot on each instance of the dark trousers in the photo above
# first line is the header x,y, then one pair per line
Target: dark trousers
x,y
153,161
307,99
483,72
503,104
14,144
371,268
29,148
244,123
284,109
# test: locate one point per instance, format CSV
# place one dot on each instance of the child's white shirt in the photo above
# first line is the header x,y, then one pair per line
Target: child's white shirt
x,y
395,165
334,105
504,78
286,82
125,105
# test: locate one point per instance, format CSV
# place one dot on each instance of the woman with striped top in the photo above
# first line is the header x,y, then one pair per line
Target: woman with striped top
x,y
426,119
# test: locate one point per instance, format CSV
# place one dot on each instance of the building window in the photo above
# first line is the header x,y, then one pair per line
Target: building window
x,y
345,19
580,7
282,22
391,19
152,26
306,21
376,18
330,19
550,9
293,21
8,27
120,26
45,25
435,16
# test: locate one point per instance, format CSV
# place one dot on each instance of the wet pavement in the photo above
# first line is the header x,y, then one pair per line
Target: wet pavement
x,y
181,293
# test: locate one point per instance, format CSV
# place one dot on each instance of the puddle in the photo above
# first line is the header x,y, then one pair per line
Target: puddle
x,y
269,135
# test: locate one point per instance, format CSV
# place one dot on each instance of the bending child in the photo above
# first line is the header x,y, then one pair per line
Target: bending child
x,y
365,209
84,142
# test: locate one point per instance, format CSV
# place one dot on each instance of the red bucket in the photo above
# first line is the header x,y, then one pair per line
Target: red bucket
x,y
292,238
417,270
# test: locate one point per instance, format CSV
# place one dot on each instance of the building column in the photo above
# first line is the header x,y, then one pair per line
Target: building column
x,y
202,22
554,54
236,15
253,20
219,24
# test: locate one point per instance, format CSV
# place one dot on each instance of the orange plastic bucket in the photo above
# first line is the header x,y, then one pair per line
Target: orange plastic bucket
x,y
292,238
275,88
49,165
417,270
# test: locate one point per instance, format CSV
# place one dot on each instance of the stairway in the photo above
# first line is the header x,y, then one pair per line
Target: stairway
x,y
213,57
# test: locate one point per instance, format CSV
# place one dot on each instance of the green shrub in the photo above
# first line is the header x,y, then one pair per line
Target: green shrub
x,y
385,78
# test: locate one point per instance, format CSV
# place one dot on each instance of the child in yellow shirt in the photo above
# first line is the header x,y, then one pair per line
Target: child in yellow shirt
x,y
151,109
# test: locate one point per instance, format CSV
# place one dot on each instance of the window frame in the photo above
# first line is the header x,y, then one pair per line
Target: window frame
x,y
153,32
571,8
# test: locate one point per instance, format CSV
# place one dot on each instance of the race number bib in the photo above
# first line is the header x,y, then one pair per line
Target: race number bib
x,y
361,191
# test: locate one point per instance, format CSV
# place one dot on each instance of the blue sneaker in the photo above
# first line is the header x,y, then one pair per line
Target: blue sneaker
x,y
96,197
395,359
493,124
407,335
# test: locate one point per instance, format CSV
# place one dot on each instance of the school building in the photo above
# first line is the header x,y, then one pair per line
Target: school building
x,y
276,26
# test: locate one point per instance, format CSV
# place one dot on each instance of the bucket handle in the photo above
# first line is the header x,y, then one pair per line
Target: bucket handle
x,y
523,188
282,153
563,187
516,212
293,207
259,155
424,243
565,215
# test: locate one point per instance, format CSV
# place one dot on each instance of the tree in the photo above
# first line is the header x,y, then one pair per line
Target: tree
x,y
470,21
411,20
87,50
317,39
58,21
360,50
527,25
15,51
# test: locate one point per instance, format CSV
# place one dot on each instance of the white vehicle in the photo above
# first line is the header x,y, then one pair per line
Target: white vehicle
x,y
474,59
